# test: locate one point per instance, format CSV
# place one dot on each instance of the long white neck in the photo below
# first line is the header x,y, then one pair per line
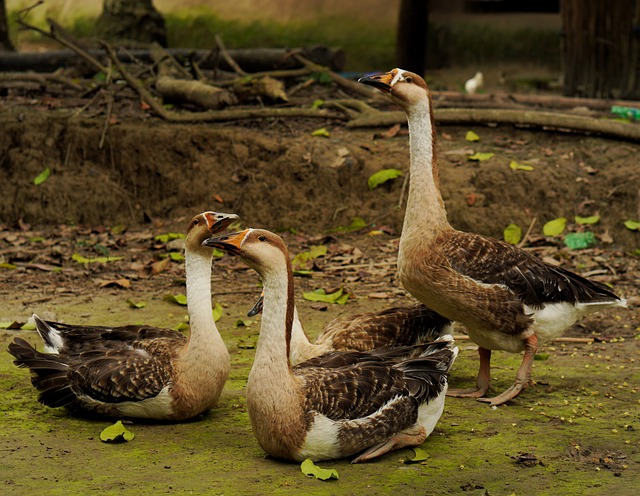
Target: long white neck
x,y
271,361
425,207
204,338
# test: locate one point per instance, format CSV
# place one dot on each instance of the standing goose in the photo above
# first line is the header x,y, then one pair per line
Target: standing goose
x,y
138,371
395,326
340,403
506,298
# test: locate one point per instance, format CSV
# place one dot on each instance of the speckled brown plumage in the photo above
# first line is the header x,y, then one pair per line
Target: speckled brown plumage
x,y
339,403
137,371
506,298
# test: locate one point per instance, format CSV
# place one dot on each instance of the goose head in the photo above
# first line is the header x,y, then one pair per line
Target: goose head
x,y
401,87
203,225
262,250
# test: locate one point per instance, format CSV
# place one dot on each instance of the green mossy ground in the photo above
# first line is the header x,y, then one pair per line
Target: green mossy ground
x,y
574,433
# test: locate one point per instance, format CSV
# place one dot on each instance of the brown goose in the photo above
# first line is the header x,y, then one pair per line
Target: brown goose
x,y
395,326
506,298
138,371
340,403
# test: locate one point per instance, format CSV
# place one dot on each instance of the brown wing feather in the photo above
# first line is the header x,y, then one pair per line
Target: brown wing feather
x,y
351,385
533,281
396,326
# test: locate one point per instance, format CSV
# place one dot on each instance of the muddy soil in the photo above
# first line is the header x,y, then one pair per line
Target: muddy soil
x,y
575,432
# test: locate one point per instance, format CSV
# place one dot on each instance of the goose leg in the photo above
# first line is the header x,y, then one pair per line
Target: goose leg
x,y
523,377
408,437
483,382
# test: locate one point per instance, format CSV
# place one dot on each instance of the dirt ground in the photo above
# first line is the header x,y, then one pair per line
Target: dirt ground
x,y
575,432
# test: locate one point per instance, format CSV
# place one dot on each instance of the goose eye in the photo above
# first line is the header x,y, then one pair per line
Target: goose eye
x,y
409,79
262,238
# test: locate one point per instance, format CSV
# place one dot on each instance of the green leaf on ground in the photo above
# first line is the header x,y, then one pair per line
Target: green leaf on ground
x,y
317,104
133,304
176,256
242,323
179,299
165,238
480,157
419,455
322,132
42,177
116,433
516,166
217,311
579,240
356,224
339,296
471,136
382,176
303,259
312,470
554,227
84,260
541,356
512,234
632,225
593,219
7,266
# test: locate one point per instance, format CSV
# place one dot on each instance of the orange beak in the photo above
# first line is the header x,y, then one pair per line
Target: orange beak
x,y
231,243
379,81
218,221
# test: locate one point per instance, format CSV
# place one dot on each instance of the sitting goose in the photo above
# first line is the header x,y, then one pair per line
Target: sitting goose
x,y
340,403
507,298
138,371
395,326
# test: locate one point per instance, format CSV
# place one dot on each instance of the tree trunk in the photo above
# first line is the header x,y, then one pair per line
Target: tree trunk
x,y
411,35
601,51
5,42
131,22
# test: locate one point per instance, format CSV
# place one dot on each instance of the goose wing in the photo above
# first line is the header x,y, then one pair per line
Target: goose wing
x,y
533,281
396,326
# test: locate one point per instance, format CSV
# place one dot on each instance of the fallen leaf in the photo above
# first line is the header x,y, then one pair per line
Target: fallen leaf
x,y
356,224
471,199
123,283
382,177
160,266
512,234
247,343
471,136
7,266
632,225
133,304
480,157
217,311
594,219
317,104
242,323
180,299
84,260
116,433
42,177
322,132
176,256
516,166
579,240
554,227
419,455
312,470
339,296
165,238
541,356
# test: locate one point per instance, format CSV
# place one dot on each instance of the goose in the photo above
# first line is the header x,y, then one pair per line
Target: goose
x,y
506,298
138,371
394,326
341,403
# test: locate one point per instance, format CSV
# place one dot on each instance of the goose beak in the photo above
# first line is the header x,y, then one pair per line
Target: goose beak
x,y
257,308
379,81
218,221
231,243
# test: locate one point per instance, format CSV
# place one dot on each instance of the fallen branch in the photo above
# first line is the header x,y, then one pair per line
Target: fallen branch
x,y
546,120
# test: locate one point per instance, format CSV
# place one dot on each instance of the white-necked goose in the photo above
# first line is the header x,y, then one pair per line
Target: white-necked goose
x,y
340,403
506,298
395,326
138,371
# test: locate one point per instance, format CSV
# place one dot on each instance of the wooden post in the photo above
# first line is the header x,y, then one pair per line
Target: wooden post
x,y
411,35
601,48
